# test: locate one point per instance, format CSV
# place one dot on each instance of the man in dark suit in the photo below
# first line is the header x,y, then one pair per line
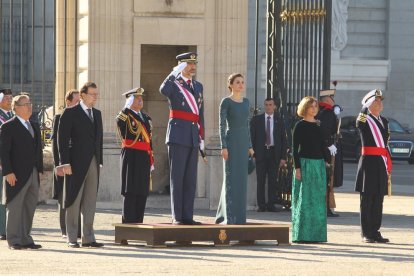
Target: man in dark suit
x,y
6,114
80,151
22,161
269,142
374,167
71,99
185,135
134,127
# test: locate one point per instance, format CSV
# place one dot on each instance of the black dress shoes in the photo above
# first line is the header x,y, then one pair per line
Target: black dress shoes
x,y
261,209
73,245
331,214
3,237
272,208
380,239
191,222
368,240
31,246
15,247
93,244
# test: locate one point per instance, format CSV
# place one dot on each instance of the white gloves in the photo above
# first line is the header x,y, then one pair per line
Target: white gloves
x,y
152,168
202,145
177,69
369,102
129,101
332,149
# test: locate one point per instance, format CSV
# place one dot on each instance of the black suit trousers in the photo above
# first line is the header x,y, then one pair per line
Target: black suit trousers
x,y
134,208
371,214
267,168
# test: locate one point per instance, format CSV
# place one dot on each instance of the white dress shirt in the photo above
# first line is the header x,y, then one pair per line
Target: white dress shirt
x,y
85,108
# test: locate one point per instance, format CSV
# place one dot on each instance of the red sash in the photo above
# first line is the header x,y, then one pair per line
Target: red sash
x,y
188,116
378,152
127,143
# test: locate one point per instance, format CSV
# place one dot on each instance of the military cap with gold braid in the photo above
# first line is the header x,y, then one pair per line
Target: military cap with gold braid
x,y
187,57
138,91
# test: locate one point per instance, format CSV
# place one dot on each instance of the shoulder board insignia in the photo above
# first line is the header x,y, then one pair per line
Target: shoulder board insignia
x,y
122,116
362,117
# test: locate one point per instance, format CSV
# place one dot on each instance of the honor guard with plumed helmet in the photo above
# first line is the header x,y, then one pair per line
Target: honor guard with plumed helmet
x,y
330,126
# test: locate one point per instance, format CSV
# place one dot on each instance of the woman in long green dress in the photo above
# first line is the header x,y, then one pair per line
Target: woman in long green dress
x,y
236,148
309,185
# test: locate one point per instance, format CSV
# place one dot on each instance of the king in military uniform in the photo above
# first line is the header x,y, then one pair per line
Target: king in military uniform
x,y
134,128
374,167
5,115
185,135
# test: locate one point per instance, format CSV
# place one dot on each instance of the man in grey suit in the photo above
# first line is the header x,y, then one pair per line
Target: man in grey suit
x,y
185,135
80,152
22,161
270,148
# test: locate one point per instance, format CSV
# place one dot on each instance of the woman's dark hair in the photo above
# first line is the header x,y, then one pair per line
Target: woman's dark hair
x,y
231,79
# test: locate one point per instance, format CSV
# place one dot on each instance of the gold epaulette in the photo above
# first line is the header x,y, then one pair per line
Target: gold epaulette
x,y
122,116
362,117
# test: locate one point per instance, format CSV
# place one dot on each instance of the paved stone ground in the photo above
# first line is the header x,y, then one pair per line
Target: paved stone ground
x,y
344,254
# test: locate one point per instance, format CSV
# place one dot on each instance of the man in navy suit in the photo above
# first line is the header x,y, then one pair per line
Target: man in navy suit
x,y
185,134
268,135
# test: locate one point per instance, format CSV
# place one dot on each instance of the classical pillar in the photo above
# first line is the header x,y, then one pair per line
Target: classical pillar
x,y
66,40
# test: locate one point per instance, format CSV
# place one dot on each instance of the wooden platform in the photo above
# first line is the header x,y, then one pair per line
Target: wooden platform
x,y
155,235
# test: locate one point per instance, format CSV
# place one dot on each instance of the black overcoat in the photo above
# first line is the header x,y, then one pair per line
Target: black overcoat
x,y
20,153
79,140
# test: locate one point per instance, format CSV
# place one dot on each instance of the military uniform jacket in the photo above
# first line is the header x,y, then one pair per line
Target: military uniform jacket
x,y
79,140
20,153
371,175
181,131
329,127
135,164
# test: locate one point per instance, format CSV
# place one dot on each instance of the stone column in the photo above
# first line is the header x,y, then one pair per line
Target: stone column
x,y
66,63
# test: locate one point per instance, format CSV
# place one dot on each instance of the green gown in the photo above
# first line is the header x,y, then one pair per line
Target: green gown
x,y
309,194
235,136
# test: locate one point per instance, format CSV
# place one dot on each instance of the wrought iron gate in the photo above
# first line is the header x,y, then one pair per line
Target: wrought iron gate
x,y
298,50
27,54
298,62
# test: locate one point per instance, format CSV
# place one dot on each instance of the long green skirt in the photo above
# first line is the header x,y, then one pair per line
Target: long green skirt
x,y
309,202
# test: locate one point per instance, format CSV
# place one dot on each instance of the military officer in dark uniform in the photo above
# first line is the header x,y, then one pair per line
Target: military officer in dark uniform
x,y
329,125
185,135
134,128
374,167
6,114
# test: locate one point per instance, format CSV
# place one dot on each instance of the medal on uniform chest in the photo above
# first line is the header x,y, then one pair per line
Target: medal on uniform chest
x,y
181,82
